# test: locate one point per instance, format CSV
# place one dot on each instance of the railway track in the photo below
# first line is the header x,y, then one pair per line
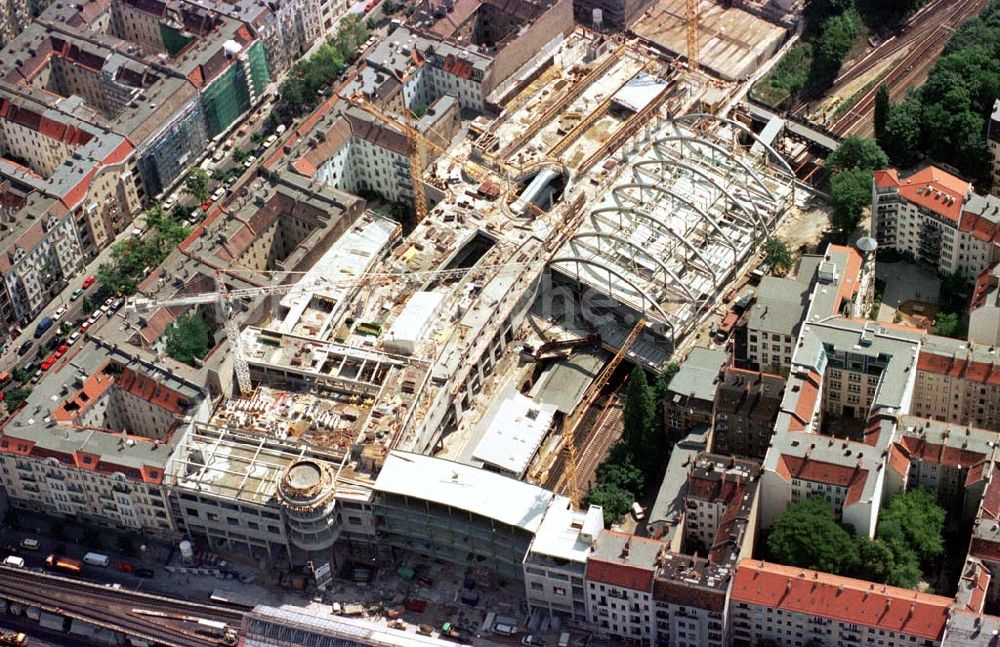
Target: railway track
x,y
166,621
909,70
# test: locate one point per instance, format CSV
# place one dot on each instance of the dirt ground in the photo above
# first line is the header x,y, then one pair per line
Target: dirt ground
x,y
804,227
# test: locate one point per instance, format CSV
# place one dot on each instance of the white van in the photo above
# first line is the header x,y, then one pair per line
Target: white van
x,y
637,511
96,559
14,560
564,639
504,629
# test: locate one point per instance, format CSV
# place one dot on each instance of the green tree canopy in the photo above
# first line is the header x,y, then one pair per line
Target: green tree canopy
x,y
614,501
850,193
916,517
807,535
15,398
948,324
901,140
624,475
778,254
857,153
641,431
875,559
198,184
187,338
882,107
837,35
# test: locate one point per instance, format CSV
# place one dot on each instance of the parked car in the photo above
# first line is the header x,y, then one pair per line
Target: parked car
x,y
24,348
533,641
144,572
217,195
30,544
60,311
73,338
89,281
125,567
77,293
248,162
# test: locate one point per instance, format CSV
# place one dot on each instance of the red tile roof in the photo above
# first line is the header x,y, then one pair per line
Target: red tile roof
x,y
840,598
886,179
942,185
981,372
808,469
982,287
899,460
940,453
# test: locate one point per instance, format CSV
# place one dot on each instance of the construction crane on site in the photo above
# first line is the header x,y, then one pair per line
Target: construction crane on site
x,y
225,299
691,17
593,391
413,135
413,147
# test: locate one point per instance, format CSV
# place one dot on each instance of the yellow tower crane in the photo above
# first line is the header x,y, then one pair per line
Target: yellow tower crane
x,y
572,485
691,16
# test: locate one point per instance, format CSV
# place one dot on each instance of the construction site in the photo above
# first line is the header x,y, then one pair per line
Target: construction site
x,y
594,224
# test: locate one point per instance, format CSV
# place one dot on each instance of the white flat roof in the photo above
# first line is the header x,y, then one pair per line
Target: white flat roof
x,y
464,487
351,255
360,630
412,323
566,533
513,429
639,91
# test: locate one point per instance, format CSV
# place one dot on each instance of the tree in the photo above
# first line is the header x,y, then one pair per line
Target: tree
x,y
850,193
947,324
807,535
875,559
16,397
857,153
198,184
187,339
640,417
836,38
614,501
916,518
820,9
663,382
882,107
624,475
901,140
778,254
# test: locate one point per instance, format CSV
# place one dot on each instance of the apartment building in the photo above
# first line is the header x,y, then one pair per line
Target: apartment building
x,y
14,15
114,425
785,605
620,571
556,562
690,399
287,30
993,141
720,517
429,67
984,308
609,14
949,459
746,407
774,321
958,382
934,217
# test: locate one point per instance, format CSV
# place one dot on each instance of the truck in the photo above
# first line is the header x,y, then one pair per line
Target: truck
x,y
727,325
43,325
65,564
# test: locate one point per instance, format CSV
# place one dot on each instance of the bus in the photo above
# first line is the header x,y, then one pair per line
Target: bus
x,y
66,564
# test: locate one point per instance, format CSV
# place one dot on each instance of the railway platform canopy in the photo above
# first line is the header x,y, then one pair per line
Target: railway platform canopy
x,y
690,207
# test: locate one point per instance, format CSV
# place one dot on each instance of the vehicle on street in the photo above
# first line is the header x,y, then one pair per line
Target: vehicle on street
x,y
96,559
30,544
73,338
37,376
43,326
125,567
24,348
95,317
504,629
206,205
89,281
231,180
60,311
270,141
77,293
47,364
169,202
637,511
14,561
248,162
280,129
67,564
217,195
533,641
144,572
